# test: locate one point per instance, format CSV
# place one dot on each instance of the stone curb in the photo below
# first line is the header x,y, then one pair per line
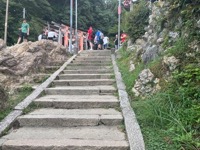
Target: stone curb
x,y
133,131
6,122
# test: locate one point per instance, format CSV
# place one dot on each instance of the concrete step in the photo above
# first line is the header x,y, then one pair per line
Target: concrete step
x,y
81,71
91,59
84,82
90,64
96,57
73,144
87,67
71,117
77,102
96,52
81,90
79,138
84,76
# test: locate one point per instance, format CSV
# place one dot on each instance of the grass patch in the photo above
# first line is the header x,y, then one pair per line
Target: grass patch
x,y
129,78
14,99
156,135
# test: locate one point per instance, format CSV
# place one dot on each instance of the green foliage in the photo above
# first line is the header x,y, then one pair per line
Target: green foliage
x,y
129,78
178,113
179,48
136,20
14,100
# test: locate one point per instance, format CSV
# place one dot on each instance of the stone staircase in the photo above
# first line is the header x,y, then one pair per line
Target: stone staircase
x,y
79,112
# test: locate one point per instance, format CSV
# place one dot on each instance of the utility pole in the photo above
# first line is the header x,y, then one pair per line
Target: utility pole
x,y
119,19
76,49
6,23
24,13
71,24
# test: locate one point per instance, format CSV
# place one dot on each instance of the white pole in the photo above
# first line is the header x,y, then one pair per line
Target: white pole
x,y
6,23
76,51
24,13
119,19
71,23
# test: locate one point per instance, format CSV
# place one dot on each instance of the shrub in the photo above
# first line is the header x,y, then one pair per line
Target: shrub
x,y
137,20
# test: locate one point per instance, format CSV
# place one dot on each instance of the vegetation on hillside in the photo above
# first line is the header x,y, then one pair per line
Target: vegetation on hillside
x,y
170,118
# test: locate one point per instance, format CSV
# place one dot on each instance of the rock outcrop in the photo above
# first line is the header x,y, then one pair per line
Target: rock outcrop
x,y
150,46
17,61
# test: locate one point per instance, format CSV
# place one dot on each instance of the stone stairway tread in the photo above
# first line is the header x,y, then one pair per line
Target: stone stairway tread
x,y
109,137
83,82
78,102
71,117
89,133
89,64
92,59
85,71
65,145
80,90
87,67
85,76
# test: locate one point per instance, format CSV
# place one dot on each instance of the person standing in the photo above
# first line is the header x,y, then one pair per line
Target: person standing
x,y
51,35
123,37
116,42
24,31
90,38
105,42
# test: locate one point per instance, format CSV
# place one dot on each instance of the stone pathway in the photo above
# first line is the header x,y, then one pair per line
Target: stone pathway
x,y
79,112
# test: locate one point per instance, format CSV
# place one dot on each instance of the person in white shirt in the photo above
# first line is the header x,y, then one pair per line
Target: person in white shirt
x,y
105,42
52,35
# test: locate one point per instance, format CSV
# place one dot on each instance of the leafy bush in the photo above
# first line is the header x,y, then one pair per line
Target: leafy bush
x,y
136,20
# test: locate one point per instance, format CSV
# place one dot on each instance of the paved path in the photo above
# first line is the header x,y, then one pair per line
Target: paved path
x,y
79,112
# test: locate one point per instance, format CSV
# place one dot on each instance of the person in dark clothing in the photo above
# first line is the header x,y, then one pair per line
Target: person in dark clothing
x,y
116,42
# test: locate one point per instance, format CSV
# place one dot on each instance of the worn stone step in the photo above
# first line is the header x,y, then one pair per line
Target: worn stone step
x,y
84,82
82,71
71,117
90,64
79,138
72,144
87,67
91,59
95,57
84,76
96,52
76,102
81,90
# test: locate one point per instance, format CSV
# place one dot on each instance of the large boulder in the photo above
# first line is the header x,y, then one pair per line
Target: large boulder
x,y
20,60
146,84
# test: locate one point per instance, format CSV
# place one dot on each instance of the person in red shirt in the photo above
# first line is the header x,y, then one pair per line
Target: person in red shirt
x,y
90,38
123,37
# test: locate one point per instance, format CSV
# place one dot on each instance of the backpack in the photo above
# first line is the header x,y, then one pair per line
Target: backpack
x,y
44,36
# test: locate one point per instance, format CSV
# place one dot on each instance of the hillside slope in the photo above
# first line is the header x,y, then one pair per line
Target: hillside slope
x,y
162,75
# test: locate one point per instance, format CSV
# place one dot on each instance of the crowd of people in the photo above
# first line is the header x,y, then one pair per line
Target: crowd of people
x,y
94,40
98,41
